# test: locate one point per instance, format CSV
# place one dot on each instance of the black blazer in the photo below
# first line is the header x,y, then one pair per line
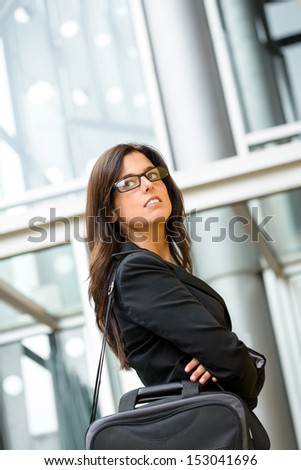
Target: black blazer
x,y
167,316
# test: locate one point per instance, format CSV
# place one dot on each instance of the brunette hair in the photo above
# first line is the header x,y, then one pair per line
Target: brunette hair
x,y
104,237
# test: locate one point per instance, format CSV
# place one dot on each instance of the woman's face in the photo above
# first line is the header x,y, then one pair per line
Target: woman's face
x,y
144,207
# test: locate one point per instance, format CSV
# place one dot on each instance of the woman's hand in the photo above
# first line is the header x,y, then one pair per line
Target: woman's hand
x,y
200,373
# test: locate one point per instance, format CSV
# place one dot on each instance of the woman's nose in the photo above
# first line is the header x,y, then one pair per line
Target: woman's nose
x,y
145,183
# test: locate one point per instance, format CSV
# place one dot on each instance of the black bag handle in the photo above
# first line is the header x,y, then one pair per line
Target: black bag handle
x,y
103,346
175,390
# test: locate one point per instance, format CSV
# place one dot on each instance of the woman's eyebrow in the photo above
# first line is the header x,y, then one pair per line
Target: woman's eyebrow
x,y
134,174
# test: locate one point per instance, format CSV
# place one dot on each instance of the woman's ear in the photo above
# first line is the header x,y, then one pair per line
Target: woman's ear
x,y
114,216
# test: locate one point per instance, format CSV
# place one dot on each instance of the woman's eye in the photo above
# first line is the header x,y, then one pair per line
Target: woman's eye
x,y
129,182
153,175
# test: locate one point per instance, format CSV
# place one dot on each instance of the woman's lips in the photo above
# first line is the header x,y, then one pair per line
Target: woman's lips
x,y
152,201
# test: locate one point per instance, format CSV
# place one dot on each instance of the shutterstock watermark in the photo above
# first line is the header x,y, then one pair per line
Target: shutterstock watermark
x,y
238,229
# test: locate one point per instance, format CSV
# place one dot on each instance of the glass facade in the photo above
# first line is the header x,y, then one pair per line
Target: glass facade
x,y
264,41
75,79
47,278
285,223
45,387
71,84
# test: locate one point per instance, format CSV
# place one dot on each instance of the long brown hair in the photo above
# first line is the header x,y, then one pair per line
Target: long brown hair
x,y
104,237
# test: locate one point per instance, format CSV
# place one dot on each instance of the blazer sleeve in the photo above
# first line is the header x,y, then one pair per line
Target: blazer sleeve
x,y
154,298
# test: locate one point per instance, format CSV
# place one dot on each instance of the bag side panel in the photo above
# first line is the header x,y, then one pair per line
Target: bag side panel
x,y
193,426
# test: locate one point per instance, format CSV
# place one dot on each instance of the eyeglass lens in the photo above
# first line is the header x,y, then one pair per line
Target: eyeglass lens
x,y
132,182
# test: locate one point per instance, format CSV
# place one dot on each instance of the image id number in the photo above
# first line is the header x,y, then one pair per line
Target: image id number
x,y
214,459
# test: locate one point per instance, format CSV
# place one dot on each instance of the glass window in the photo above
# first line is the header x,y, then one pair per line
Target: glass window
x,y
46,381
285,30
72,84
47,278
285,223
264,40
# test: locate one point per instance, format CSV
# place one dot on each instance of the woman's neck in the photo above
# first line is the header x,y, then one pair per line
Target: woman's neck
x,y
158,245
162,250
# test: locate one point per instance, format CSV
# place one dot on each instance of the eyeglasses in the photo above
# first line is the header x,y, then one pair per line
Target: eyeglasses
x,y
133,181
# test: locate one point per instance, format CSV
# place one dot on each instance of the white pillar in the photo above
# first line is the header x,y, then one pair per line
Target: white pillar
x,y
189,82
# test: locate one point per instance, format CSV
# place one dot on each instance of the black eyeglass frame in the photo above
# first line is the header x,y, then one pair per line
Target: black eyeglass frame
x,y
162,169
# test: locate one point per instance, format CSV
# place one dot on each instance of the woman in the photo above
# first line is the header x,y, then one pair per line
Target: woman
x,y
168,325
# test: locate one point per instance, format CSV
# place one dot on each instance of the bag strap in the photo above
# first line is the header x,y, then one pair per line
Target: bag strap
x,y
103,346
118,257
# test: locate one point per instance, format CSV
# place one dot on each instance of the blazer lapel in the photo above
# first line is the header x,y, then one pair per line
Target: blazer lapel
x,y
196,282
185,277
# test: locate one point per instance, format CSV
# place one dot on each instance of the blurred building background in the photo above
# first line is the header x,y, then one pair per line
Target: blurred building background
x,y
214,85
